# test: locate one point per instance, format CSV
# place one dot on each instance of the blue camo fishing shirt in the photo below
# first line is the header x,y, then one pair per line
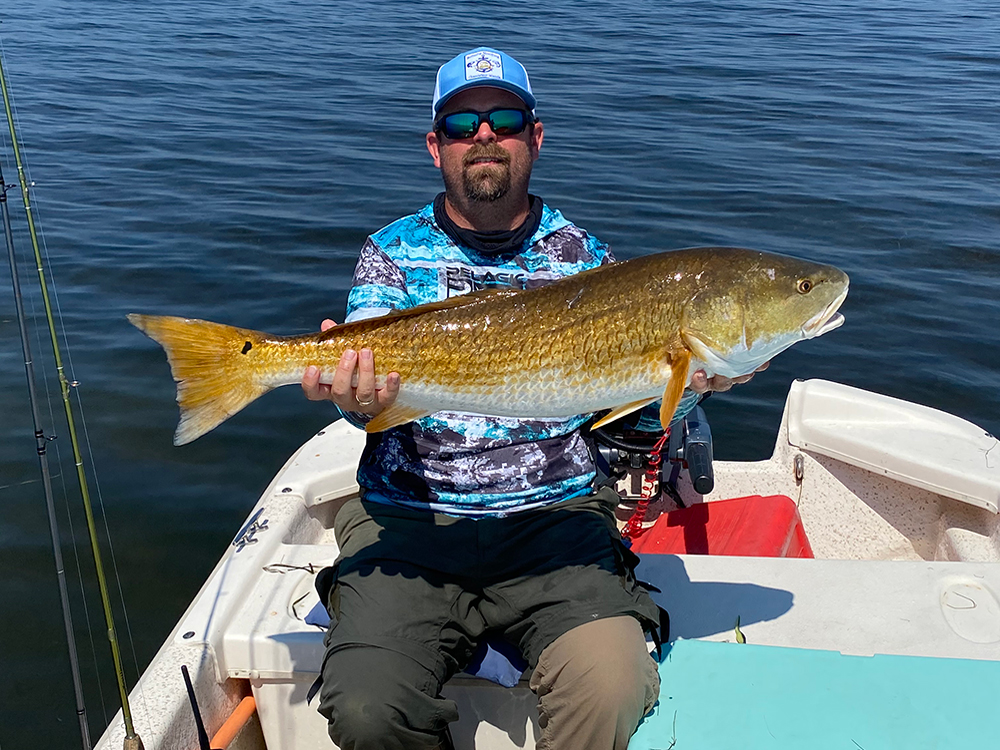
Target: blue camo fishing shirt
x,y
451,462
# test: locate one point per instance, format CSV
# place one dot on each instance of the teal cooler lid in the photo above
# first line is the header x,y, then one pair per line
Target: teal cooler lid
x,y
718,696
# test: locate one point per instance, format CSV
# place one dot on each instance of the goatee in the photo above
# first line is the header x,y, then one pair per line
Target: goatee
x,y
489,180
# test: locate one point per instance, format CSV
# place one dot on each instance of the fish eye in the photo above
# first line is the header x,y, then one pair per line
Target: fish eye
x,y
804,286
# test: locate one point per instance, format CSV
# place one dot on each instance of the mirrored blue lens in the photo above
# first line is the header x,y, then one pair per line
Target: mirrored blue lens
x,y
463,125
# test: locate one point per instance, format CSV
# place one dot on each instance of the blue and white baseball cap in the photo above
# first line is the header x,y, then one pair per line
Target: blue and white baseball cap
x,y
483,66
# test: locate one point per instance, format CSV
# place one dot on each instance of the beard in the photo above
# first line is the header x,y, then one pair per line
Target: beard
x,y
486,177
486,181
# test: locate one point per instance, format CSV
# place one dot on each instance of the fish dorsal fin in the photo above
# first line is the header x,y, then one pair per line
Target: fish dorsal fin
x,y
450,303
394,416
679,365
621,411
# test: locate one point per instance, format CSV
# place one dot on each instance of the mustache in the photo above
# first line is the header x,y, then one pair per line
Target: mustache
x,y
485,151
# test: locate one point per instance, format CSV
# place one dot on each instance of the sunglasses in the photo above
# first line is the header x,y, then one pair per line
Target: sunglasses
x,y
465,125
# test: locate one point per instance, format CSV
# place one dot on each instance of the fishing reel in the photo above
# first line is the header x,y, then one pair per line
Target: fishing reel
x,y
627,457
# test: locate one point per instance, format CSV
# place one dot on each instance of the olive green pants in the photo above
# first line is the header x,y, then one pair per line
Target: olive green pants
x,y
414,593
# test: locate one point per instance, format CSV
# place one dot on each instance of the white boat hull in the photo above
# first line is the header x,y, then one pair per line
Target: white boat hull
x,y
899,503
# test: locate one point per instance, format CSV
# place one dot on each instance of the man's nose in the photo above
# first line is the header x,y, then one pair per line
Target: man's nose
x,y
485,133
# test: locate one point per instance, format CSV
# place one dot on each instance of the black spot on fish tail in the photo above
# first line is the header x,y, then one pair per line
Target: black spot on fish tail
x,y
247,347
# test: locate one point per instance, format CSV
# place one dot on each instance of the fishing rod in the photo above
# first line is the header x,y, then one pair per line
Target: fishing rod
x,y
43,461
132,740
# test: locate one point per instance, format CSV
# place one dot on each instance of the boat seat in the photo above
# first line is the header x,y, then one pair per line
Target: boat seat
x,y
753,526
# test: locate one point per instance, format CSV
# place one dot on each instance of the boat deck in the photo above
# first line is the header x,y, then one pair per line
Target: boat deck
x,y
908,564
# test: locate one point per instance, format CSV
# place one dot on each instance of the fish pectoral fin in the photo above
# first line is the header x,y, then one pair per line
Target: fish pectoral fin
x,y
621,411
679,365
394,416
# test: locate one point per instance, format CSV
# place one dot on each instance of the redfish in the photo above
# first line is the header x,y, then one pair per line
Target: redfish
x,y
616,337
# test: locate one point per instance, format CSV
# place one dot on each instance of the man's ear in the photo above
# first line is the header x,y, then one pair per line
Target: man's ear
x,y
537,136
434,148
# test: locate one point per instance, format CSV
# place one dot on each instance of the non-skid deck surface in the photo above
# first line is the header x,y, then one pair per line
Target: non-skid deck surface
x,y
718,696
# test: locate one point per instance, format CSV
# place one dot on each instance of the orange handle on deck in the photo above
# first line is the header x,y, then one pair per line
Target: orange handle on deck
x,y
236,721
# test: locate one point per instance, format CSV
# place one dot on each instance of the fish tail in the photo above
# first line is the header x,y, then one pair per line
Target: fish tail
x,y
208,361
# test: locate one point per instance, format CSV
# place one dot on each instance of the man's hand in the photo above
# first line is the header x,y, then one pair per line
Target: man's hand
x,y
365,397
700,383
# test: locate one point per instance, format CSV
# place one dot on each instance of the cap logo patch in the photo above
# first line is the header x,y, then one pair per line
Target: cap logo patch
x,y
483,65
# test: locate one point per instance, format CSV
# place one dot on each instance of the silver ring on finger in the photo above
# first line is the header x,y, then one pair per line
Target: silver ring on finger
x,y
369,402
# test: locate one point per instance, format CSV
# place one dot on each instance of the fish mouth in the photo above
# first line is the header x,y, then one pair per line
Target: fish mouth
x,y
825,320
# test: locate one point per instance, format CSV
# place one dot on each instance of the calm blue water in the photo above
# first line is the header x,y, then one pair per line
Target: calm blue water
x,y
226,160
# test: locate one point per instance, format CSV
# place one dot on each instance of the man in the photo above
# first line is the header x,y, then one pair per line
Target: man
x,y
473,527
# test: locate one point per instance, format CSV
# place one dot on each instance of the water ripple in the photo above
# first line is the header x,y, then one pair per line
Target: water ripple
x,y
227,160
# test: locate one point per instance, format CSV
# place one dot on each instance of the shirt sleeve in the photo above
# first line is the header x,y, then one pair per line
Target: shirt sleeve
x,y
379,287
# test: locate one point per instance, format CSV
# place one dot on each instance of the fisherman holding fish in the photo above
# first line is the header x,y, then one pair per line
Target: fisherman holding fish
x,y
473,528
482,333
